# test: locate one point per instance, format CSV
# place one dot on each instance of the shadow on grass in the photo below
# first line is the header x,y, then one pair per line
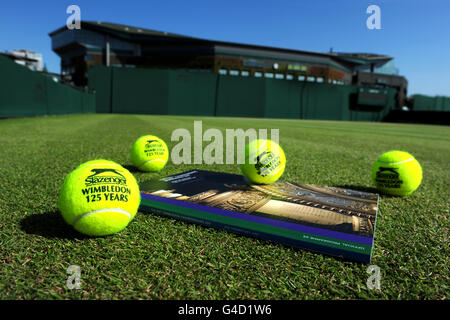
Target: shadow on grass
x,y
131,168
49,225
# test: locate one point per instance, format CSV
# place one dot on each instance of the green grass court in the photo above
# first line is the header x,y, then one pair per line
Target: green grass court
x,y
161,258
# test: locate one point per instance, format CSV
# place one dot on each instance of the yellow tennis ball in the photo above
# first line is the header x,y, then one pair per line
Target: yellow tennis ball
x,y
149,153
265,161
397,173
99,198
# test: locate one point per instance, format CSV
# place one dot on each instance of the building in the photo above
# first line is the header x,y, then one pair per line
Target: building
x,y
26,58
109,44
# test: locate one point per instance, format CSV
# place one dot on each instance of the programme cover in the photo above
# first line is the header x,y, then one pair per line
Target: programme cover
x,y
331,220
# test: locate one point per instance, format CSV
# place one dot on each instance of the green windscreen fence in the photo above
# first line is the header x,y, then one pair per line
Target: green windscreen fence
x,y
192,93
274,98
28,93
100,82
426,103
153,91
240,97
178,92
138,91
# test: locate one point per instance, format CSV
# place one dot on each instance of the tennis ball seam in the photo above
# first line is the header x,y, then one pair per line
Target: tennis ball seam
x,y
117,210
396,162
274,173
251,156
151,160
397,173
263,171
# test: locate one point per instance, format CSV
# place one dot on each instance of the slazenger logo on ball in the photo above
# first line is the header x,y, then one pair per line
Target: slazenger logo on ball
x,y
99,178
149,142
154,147
388,177
266,162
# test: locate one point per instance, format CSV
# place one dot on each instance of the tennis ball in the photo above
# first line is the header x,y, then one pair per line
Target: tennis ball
x,y
149,153
397,173
264,161
99,198
97,161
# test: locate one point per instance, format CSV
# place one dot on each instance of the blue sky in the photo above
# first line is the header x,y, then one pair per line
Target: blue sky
x,y
415,32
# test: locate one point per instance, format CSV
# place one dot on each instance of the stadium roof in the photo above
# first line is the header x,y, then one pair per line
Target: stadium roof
x,y
147,35
14,56
124,30
361,58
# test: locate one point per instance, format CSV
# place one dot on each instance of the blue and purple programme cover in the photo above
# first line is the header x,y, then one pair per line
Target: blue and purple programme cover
x,y
330,220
